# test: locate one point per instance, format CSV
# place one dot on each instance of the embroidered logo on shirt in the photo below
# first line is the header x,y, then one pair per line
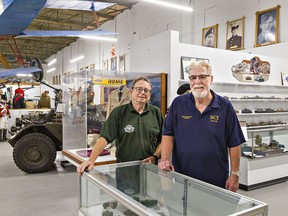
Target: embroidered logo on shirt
x,y
129,129
186,117
214,118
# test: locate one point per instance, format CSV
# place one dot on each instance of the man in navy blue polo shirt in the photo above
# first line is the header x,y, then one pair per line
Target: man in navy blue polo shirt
x,y
200,129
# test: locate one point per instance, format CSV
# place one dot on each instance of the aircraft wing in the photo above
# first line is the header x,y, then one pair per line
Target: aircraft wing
x,y
21,13
15,72
64,33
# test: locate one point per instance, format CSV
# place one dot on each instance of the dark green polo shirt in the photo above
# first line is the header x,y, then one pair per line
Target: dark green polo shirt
x,y
136,135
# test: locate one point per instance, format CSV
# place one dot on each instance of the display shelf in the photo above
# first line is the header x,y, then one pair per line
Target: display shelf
x,y
157,192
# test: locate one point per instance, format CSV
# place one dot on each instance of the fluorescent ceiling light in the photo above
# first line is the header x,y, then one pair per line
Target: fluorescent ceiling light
x,y
77,59
50,70
167,4
52,62
24,75
98,38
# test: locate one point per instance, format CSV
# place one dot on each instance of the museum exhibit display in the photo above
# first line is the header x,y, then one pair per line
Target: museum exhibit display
x,y
136,188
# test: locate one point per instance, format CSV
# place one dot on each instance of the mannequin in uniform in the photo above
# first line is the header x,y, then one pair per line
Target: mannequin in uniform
x,y
118,97
4,115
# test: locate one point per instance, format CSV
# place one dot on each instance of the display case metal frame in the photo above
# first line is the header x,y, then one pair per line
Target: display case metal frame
x,y
183,195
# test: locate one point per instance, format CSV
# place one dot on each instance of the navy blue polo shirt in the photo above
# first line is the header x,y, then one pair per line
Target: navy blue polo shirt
x,y
201,140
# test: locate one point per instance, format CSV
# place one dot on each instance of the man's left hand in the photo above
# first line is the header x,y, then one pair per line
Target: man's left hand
x,y
232,183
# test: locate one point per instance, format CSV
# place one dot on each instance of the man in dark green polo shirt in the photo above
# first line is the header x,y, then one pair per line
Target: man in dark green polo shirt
x,y
136,128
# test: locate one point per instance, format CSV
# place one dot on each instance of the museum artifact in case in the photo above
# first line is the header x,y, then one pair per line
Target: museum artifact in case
x,y
137,188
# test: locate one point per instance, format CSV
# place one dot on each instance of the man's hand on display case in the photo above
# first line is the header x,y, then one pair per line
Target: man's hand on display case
x,y
152,159
232,183
85,166
166,165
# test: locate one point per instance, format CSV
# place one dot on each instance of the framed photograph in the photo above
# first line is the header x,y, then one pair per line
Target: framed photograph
x,y
210,36
122,63
92,66
267,26
185,63
284,76
235,34
113,64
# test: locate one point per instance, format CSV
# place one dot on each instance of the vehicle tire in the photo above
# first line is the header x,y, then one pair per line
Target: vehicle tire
x,y
34,153
37,76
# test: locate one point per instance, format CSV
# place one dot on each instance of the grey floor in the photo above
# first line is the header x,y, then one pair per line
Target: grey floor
x,y
56,192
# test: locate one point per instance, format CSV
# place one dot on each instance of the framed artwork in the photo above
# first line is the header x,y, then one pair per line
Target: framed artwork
x,y
210,36
92,66
284,76
235,34
105,64
267,26
185,63
122,63
113,64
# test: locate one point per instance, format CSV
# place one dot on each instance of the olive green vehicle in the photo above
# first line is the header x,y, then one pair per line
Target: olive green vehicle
x,y
36,144
35,141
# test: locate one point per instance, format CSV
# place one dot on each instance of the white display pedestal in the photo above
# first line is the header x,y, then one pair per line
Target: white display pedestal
x,y
264,171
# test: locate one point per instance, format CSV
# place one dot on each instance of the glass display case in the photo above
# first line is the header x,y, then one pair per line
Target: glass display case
x,y
136,188
89,96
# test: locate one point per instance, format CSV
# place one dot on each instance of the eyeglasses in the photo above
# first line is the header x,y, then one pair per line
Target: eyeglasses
x,y
140,89
201,77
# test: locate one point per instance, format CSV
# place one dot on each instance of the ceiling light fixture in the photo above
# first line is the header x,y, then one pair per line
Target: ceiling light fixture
x,y
50,70
24,75
77,59
171,5
98,38
52,62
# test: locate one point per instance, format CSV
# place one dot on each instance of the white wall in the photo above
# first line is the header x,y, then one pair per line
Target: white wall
x,y
139,28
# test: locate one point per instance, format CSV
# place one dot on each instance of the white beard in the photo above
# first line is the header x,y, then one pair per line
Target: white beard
x,y
199,95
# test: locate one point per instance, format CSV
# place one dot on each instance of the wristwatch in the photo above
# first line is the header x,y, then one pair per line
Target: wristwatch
x,y
156,158
235,173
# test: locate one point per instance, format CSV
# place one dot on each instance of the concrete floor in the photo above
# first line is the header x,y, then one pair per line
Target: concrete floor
x,y
51,193
56,192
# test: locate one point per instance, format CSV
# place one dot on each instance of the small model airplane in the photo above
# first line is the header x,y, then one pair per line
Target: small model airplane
x,y
16,15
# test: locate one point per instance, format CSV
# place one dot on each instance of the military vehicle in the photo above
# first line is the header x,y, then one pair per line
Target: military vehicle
x,y
37,137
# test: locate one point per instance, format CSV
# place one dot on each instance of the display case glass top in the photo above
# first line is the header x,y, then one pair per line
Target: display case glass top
x,y
136,188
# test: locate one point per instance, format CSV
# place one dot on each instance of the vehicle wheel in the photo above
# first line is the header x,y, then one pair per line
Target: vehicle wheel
x,y
34,153
37,76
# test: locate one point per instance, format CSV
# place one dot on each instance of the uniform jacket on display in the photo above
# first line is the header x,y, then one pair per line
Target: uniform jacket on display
x,y
118,97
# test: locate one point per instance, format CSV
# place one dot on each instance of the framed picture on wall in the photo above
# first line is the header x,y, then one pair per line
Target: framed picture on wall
x,y
267,26
113,64
122,62
235,34
284,76
185,63
210,36
105,64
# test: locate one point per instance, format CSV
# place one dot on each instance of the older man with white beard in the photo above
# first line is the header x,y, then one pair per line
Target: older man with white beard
x,y
202,131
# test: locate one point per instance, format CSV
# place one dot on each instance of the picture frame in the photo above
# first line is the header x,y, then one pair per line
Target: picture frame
x,y
122,62
284,78
113,64
235,34
210,36
185,63
267,26
105,64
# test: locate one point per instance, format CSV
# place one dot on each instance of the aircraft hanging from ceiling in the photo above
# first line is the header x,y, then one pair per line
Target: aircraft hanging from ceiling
x,y
15,17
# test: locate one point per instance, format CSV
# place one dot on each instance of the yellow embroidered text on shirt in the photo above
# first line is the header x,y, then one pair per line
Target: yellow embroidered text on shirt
x,y
214,118
186,117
